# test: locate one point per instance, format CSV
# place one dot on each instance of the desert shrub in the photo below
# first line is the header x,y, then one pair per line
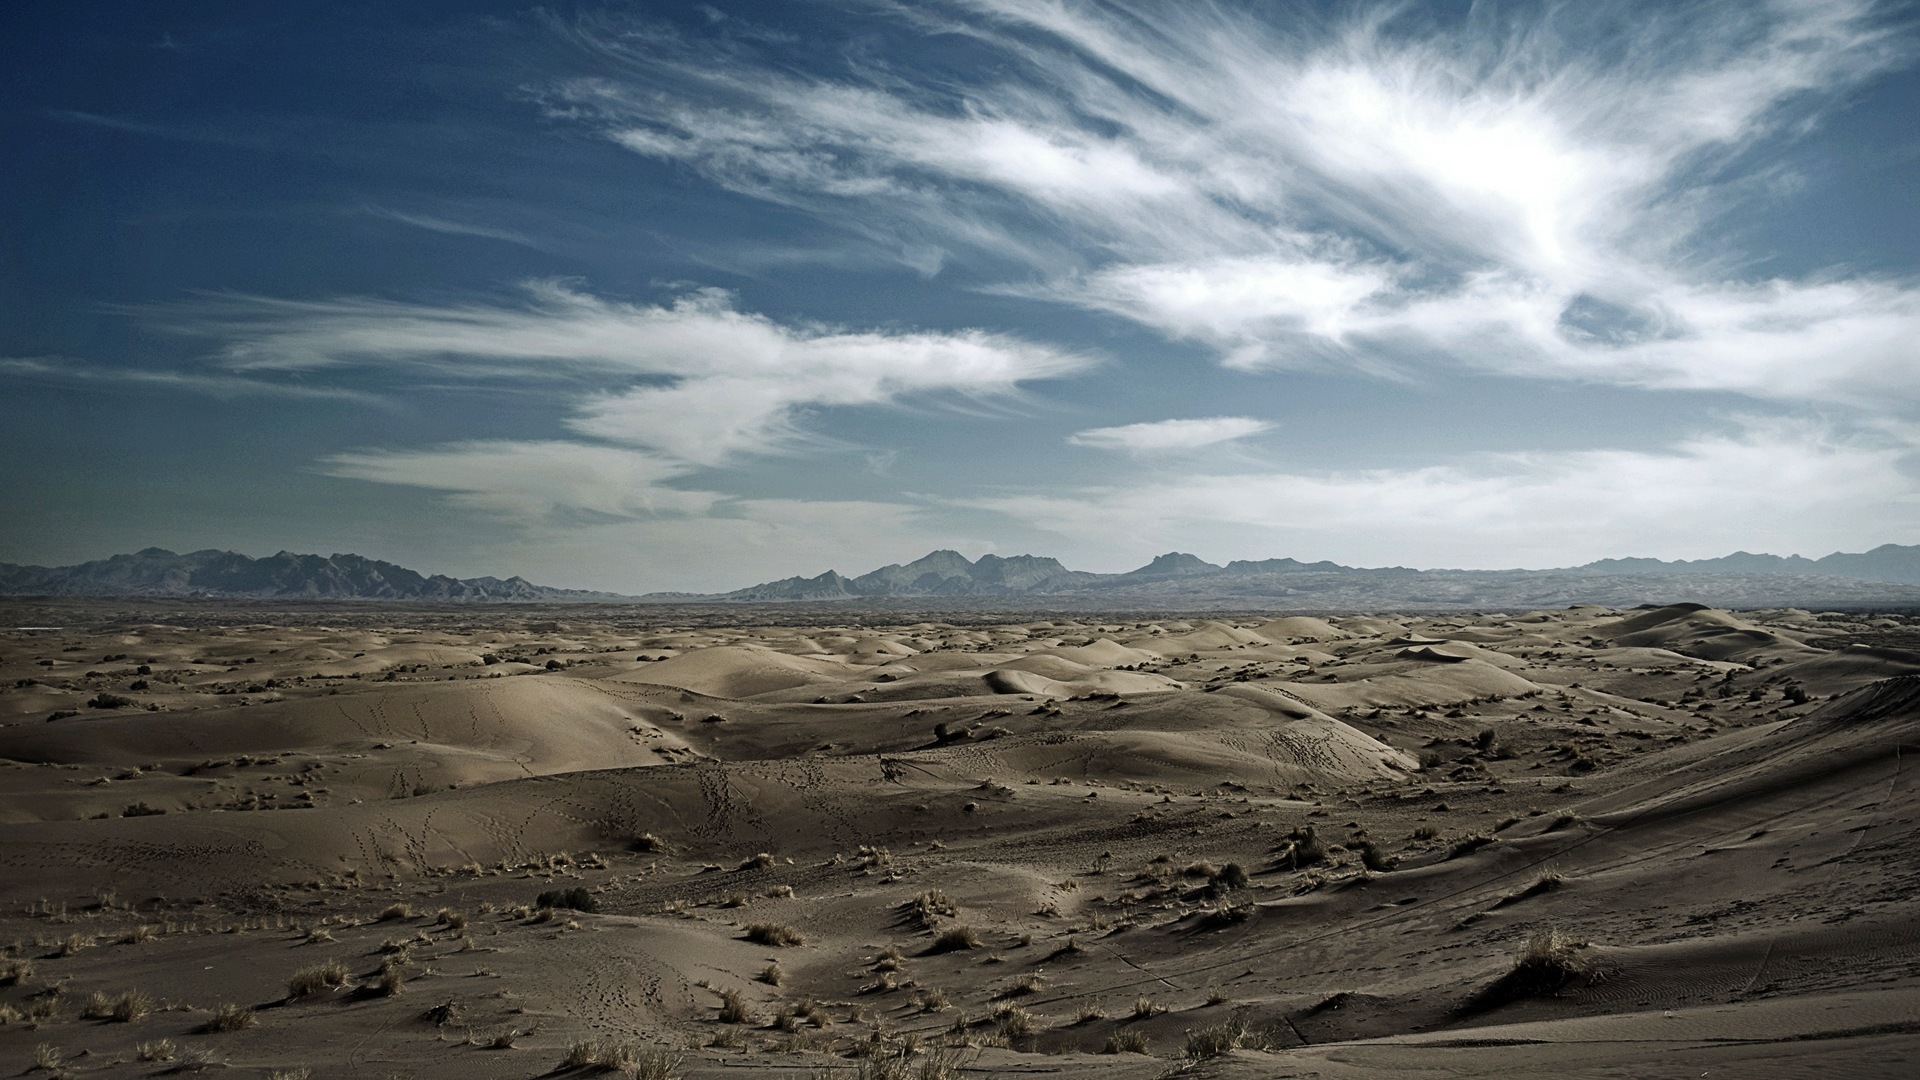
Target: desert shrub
x,y
131,1006
48,1056
772,975
733,1007
396,912
140,935
141,809
1017,1023
391,983
1127,1042
934,1001
1373,858
760,861
1303,849
317,979
230,1017
930,906
955,939
1548,961
646,841
1217,1039
104,700
1232,876
301,1073
578,899
15,972
155,1050
1145,1008
1090,1012
778,935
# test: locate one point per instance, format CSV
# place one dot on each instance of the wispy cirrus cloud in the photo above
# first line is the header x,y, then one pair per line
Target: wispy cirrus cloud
x,y
1523,190
1170,436
534,479
695,380
217,384
433,223
657,391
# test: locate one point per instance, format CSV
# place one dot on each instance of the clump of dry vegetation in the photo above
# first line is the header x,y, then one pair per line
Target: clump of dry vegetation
x,y
317,979
733,1007
1127,1042
777,935
956,939
230,1017
1217,1039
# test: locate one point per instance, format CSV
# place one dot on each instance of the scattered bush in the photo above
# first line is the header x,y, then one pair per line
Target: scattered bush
x,y
317,979
1303,849
772,975
733,1007
956,939
131,1006
156,1050
395,912
778,935
1217,1039
576,898
1127,1042
231,1017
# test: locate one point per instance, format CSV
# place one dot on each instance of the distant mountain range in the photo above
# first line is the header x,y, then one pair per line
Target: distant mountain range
x,y
1889,574
285,576
1177,576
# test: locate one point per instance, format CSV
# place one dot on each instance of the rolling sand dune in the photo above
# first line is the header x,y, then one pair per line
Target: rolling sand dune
x,y
1585,842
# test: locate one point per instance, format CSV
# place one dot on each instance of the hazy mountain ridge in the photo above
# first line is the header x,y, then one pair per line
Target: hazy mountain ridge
x,y
282,576
1887,574
1181,575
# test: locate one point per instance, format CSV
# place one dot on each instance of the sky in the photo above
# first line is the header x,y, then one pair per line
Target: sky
x,y
685,296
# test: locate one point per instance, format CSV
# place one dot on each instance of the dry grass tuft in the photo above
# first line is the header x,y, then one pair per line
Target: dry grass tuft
x,y
1127,1042
156,1050
733,1008
319,978
131,1006
230,1017
778,935
956,939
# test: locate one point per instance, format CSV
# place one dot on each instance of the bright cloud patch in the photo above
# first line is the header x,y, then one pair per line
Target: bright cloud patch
x,y
1170,435
1519,192
1785,488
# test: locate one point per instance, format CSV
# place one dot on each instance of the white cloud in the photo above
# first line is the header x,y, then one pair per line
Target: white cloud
x,y
533,480
696,380
1770,486
1489,194
215,384
1162,436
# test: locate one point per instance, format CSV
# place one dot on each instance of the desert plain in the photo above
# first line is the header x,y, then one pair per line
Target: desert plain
x,y
392,842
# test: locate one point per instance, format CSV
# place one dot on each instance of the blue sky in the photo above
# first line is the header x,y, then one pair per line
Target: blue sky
x,y
684,296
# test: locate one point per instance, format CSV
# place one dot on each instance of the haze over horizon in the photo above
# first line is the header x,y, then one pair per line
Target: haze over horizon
x,y
691,296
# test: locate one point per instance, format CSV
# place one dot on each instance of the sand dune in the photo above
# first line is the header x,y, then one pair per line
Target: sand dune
x,y
1233,848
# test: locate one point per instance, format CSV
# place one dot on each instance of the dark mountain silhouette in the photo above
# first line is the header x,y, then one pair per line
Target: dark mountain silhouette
x,y
285,576
1887,575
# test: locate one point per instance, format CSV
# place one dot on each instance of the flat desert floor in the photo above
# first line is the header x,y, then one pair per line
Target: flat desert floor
x,y
413,843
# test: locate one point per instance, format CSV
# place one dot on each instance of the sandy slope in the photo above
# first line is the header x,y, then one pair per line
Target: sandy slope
x,y
1716,810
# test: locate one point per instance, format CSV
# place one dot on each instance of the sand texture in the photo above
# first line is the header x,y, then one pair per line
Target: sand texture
x,y
1577,842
